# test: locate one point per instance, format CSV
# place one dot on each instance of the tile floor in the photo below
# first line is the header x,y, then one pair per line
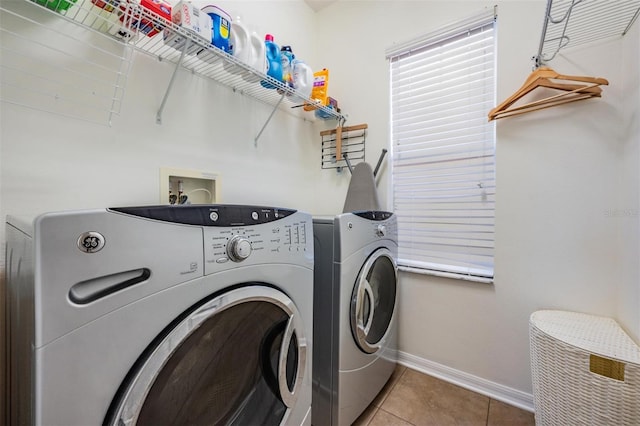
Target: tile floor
x,y
414,398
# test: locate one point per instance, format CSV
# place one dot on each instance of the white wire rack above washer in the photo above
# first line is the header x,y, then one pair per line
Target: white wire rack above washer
x,y
57,66
575,22
130,17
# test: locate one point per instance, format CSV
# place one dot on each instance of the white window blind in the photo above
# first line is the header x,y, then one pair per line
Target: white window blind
x,y
442,87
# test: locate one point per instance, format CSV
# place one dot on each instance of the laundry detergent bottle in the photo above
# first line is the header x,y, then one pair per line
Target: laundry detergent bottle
x,y
286,58
274,65
238,46
257,57
302,78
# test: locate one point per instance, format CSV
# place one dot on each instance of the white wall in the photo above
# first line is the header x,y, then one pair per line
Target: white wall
x,y
558,174
628,214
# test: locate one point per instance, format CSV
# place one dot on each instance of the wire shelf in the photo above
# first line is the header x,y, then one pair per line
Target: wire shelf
x,y
196,55
570,23
58,67
128,23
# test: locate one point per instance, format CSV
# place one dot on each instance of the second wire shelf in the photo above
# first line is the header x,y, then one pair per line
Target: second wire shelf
x,y
197,55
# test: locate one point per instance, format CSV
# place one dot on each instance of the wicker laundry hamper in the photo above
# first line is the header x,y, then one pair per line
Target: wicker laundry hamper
x,y
586,370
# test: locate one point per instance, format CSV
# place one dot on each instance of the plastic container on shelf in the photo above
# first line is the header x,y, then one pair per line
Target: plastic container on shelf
x,y
286,59
332,104
274,64
134,21
302,78
322,115
57,5
319,90
221,22
190,18
239,46
257,57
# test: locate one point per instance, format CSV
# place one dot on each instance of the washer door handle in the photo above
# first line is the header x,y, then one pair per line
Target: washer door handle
x,y
96,288
365,288
375,282
289,397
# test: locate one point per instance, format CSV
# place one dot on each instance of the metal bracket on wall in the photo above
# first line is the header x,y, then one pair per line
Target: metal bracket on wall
x,y
173,78
275,107
575,22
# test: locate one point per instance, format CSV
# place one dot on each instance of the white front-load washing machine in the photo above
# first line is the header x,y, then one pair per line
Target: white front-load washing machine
x,y
161,315
355,331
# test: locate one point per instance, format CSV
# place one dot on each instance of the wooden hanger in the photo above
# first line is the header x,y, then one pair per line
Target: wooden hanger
x,y
545,77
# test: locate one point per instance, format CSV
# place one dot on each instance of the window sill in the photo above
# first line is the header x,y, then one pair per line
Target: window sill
x,y
484,280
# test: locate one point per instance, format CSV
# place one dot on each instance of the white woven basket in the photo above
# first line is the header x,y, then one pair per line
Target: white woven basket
x,y
586,371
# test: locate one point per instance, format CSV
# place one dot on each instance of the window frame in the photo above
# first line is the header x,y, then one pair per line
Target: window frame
x,y
425,43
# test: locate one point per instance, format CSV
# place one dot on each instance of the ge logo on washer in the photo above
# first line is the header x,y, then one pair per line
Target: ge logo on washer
x,y
91,242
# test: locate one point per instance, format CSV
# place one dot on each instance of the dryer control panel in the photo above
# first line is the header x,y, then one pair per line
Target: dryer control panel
x,y
359,229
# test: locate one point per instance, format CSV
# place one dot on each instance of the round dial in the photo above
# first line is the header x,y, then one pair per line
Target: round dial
x,y
238,248
381,230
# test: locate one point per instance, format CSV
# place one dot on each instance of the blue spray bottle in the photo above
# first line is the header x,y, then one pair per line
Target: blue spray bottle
x,y
274,65
286,58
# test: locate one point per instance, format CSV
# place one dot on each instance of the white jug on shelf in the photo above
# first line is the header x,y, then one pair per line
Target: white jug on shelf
x,y
238,46
257,57
302,78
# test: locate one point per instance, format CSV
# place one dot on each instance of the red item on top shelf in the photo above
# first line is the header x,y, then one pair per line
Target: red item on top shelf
x,y
145,24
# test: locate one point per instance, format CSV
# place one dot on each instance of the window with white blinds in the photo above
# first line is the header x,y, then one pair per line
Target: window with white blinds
x,y
443,148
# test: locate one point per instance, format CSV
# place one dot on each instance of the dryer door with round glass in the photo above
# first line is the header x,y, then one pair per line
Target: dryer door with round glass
x,y
373,300
237,359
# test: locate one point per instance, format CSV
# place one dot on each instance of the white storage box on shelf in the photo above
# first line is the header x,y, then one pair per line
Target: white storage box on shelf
x,y
586,370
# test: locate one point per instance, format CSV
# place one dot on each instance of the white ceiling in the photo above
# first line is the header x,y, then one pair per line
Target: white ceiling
x,y
317,5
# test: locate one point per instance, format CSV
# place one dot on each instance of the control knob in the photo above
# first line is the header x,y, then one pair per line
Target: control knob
x,y
381,230
238,248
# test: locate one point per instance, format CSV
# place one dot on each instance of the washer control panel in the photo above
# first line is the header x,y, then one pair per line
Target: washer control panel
x,y
287,240
219,215
239,235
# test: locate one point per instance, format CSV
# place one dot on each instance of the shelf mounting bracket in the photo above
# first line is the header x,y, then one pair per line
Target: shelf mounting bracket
x,y
173,78
275,108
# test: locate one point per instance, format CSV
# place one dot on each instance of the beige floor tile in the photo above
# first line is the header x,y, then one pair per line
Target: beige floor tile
x,y
501,414
424,400
395,376
382,418
366,416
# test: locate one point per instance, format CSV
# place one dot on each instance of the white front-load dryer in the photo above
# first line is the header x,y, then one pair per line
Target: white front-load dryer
x,y
161,315
355,330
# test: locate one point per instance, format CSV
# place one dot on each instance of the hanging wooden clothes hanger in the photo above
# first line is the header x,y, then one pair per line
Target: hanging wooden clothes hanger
x,y
569,86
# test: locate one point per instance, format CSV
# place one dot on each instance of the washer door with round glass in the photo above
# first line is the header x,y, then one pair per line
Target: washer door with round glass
x,y
373,300
238,359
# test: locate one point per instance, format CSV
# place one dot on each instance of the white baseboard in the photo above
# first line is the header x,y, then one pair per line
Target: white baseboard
x,y
482,386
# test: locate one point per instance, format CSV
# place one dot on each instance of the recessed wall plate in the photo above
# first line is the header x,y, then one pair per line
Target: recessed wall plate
x,y
184,186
